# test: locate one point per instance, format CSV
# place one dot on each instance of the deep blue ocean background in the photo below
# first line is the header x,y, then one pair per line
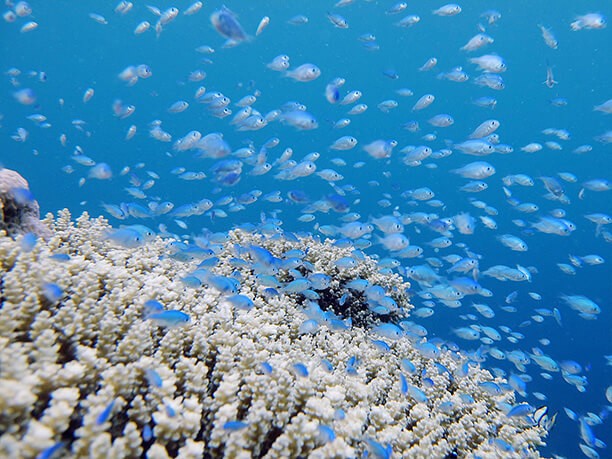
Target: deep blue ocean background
x,y
76,53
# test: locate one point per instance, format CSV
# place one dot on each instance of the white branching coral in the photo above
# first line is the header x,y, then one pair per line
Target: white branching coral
x,y
89,375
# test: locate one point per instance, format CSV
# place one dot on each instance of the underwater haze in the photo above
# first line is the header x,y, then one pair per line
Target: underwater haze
x,y
479,168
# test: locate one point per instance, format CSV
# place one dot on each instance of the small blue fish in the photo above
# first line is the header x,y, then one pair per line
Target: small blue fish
x,y
408,366
345,263
327,366
351,370
326,433
234,426
226,23
389,331
338,21
270,293
392,74
241,302
52,292
417,394
191,281
106,413
52,451
298,20
308,327
490,387
381,346
502,446
27,242
152,307
147,433
223,284
60,257
126,237
266,368
521,410
170,319
153,378
261,255
300,370
377,450
403,384
427,350
297,286
22,196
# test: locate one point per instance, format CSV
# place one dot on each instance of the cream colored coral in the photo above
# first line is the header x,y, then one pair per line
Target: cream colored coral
x,y
71,359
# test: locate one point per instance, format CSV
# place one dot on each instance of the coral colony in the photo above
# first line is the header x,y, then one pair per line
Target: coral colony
x,y
254,345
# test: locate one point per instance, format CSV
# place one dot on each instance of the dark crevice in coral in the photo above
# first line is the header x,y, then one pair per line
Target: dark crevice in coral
x,y
118,421
180,387
146,444
12,214
355,305
156,337
41,404
23,338
211,362
203,426
243,408
206,423
274,433
382,400
369,377
204,435
220,451
46,305
269,440
69,435
211,453
172,447
67,350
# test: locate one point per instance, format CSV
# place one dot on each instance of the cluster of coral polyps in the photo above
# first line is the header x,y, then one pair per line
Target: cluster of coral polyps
x,y
87,375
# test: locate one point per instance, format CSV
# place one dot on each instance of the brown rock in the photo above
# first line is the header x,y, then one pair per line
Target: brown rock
x,y
16,216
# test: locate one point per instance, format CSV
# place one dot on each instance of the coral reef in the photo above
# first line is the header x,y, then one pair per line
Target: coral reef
x,y
84,372
19,211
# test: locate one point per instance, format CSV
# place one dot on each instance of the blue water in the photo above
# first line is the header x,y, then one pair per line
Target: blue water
x,y
76,53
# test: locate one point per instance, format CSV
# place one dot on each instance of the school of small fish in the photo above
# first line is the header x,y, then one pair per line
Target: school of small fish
x,y
191,176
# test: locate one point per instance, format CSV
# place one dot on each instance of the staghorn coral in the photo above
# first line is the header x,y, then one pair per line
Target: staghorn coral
x,y
61,365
